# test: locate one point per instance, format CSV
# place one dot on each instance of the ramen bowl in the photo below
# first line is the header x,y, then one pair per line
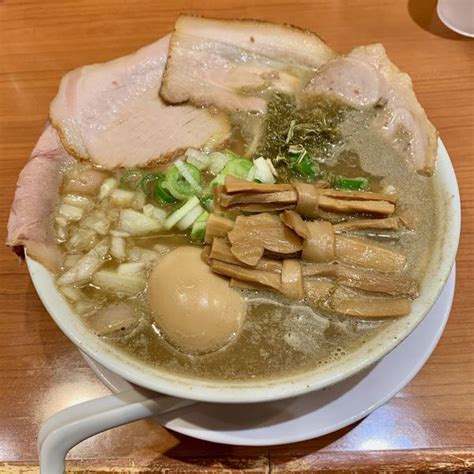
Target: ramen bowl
x,y
446,230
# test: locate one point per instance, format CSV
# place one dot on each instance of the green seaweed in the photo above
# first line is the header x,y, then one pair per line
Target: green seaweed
x,y
315,128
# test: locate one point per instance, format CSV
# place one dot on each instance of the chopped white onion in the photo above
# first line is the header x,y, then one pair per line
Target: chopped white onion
x,y
71,293
76,200
107,187
117,248
61,234
119,283
152,211
139,200
148,210
81,239
122,198
71,259
87,307
272,168
263,171
112,214
61,221
139,254
115,317
131,268
71,213
83,270
97,221
119,233
136,223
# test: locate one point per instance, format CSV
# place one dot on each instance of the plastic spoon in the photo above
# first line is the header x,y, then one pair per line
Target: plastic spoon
x,y
70,426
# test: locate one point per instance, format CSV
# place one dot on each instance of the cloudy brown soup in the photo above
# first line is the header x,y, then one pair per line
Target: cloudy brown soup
x,y
279,336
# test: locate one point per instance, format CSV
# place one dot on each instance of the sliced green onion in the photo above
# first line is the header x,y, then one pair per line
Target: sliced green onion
x,y
231,154
218,180
218,161
199,227
193,178
207,201
307,167
302,164
188,220
131,178
152,186
161,193
197,158
177,215
354,184
238,167
182,186
147,183
252,173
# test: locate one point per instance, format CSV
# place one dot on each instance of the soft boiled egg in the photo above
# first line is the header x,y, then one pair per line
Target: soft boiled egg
x,y
196,310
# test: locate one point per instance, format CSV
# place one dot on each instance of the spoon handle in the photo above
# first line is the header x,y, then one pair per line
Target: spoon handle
x,y
70,426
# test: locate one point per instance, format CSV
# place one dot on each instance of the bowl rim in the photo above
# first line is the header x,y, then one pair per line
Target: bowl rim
x,y
266,390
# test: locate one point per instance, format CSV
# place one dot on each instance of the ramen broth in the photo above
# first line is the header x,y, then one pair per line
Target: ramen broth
x,y
279,337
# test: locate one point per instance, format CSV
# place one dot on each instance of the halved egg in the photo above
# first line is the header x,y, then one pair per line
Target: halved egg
x,y
195,309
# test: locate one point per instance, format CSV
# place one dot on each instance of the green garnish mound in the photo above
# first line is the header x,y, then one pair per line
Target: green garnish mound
x,y
315,128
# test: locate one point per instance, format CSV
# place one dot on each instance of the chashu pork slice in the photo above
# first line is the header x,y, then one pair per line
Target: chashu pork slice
x,y
366,78
232,63
112,114
30,224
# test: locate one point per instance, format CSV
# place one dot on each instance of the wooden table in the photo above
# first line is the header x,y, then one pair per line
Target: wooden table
x,y
428,425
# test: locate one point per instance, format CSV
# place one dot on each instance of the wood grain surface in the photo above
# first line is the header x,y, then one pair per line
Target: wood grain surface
x,y
429,425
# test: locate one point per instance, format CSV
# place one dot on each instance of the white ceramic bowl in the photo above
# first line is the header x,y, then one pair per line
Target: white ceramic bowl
x,y
457,15
442,259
